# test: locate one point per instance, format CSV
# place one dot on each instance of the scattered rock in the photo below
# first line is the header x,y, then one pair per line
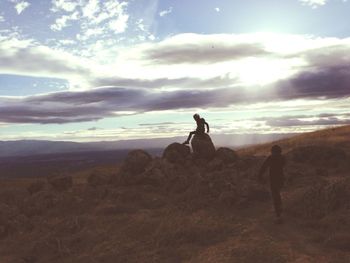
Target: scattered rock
x,y
35,187
177,153
228,198
215,165
136,162
61,183
98,179
226,155
203,147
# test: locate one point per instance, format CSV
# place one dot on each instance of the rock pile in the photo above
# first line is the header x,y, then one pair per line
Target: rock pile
x,y
193,175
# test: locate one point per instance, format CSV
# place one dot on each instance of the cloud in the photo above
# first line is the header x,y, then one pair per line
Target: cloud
x,y
64,107
199,49
62,21
313,3
64,5
2,19
206,82
21,6
179,83
166,12
217,9
326,75
25,57
308,120
109,17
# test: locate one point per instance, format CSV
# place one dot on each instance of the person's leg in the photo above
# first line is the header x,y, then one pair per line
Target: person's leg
x,y
277,200
189,137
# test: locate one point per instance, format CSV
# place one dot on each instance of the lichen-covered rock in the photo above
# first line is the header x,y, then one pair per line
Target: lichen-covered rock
x,y
228,198
226,155
12,221
203,147
176,153
215,165
136,162
98,179
61,183
36,186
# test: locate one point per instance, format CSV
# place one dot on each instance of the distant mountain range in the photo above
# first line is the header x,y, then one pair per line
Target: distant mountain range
x,y
40,147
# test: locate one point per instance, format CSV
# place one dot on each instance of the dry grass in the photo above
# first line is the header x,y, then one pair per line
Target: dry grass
x,y
194,220
337,137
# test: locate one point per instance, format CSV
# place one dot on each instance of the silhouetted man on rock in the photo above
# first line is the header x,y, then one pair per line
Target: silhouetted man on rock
x,y
200,127
275,163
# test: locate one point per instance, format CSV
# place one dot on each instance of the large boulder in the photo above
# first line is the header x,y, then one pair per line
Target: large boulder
x,y
203,147
176,153
226,155
136,162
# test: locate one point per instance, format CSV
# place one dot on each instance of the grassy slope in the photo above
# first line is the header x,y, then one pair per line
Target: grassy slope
x,y
336,137
150,224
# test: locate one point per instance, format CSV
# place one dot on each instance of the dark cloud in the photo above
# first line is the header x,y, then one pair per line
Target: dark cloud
x,y
304,120
216,82
321,79
327,82
205,52
61,107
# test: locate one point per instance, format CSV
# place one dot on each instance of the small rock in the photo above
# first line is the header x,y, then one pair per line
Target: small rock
x,y
97,179
35,187
136,162
61,183
226,155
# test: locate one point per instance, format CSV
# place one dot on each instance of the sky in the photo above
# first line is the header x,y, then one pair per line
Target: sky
x,y
92,70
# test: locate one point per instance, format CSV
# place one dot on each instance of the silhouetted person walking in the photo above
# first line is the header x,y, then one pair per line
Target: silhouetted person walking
x,y
275,163
200,127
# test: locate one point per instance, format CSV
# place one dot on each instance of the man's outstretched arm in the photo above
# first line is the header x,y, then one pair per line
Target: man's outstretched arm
x,y
263,168
207,125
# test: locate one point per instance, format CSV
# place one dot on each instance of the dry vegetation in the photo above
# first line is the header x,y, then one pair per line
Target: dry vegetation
x,y
185,212
336,137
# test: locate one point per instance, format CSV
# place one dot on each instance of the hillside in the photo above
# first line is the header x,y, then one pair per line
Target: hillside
x,y
335,137
181,209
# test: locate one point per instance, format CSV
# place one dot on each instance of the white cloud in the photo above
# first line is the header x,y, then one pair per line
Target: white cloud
x,y
28,58
91,8
165,12
187,72
313,3
64,5
118,15
62,21
2,19
21,6
217,9
120,24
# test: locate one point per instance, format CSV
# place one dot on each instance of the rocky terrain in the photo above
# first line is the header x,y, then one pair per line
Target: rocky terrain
x,y
205,206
